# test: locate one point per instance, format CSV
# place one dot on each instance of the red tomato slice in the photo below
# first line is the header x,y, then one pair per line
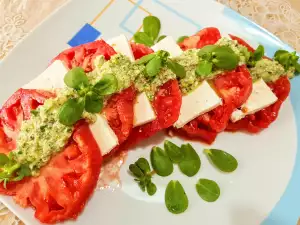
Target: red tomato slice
x,y
140,50
234,87
206,36
166,104
119,114
256,122
84,55
242,42
64,186
14,110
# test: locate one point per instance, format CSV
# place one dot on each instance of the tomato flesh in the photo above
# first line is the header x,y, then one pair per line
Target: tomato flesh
x,y
84,55
140,50
206,36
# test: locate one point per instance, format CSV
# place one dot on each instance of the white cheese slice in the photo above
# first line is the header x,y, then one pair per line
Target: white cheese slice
x,y
168,44
260,98
142,110
103,134
121,45
201,100
52,77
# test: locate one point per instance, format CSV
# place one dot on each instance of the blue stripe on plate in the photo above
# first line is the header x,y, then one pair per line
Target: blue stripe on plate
x,y
86,34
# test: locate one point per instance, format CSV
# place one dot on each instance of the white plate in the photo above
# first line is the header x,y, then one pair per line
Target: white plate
x,y
264,189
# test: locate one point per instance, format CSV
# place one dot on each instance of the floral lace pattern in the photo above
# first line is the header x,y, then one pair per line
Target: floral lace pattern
x,y
19,17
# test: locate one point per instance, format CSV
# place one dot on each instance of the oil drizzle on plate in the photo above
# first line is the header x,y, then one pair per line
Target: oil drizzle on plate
x,y
110,172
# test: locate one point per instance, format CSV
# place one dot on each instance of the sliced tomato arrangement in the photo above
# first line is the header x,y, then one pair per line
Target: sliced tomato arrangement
x,y
84,55
206,36
262,119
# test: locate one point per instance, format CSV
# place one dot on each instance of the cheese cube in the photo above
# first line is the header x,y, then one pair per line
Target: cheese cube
x,y
260,98
104,135
168,44
52,77
121,45
201,100
142,110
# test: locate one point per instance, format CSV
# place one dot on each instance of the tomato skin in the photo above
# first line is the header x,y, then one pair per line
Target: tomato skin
x,y
84,55
166,104
64,186
140,50
206,36
262,119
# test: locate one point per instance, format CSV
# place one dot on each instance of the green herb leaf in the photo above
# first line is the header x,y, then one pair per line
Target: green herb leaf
x,y
143,38
71,111
151,26
160,162
145,59
176,199
176,68
208,190
151,189
191,163
205,53
225,58
75,78
204,68
259,53
3,159
107,85
144,165
136,171
153,66
297,67
174,152
93,102
222,160
161,38
181,39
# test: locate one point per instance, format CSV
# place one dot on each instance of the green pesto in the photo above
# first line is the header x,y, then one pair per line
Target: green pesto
x,y
270,70
43,135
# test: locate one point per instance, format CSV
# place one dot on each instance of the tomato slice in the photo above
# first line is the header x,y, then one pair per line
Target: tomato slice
x,y
262,119
206,36
84,55
119,114
140,50
64,186
166,104
16,109
234,87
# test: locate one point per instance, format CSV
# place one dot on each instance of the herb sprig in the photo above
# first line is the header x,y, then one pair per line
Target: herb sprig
x,y
256,56
151,27
90,97
214,56
11,170
287,60
156,61
142,172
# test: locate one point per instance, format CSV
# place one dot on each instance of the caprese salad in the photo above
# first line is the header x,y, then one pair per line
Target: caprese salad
x,y
102,97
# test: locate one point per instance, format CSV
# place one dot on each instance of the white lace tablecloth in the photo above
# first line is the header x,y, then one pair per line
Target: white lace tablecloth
x,y
19,17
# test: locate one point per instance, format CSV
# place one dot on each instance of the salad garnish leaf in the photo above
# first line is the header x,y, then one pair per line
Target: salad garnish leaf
x,y
160,162
143,38
191,163
287,59
176,199
174,152
161,38
222,160
181,39
153,66
151,26
204,68
208,190
256,56
90,96
176,68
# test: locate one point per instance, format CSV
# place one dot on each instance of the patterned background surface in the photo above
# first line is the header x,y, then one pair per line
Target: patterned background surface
x,y
19,17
